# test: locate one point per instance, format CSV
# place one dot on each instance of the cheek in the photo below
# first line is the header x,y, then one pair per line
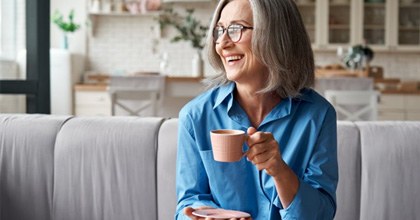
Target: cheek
x,y
218,50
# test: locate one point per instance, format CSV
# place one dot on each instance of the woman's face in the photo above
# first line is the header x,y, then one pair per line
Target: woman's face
x,y
238,59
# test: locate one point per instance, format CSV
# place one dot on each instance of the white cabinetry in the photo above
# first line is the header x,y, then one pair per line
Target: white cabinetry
x,y
385,25
92,103
399,107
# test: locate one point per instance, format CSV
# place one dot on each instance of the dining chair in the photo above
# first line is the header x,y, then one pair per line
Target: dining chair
x,y
136,95
354,105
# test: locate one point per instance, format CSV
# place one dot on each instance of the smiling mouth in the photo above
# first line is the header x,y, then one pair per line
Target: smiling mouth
x,y
231,59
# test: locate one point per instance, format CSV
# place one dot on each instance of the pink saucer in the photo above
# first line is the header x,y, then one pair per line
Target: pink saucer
x,y
220,213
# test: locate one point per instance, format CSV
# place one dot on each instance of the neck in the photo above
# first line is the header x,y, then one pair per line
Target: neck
x,y
256,105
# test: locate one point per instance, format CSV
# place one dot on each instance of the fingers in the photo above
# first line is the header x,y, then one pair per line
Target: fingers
x,y
188,212
258,137
269,166
260,144
263,151
251,130
259,154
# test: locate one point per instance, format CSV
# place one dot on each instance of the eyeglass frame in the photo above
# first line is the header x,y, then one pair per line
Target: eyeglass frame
x,y
226,30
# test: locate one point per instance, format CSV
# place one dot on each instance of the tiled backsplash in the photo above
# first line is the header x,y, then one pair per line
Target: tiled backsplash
x,y
126,44
135,43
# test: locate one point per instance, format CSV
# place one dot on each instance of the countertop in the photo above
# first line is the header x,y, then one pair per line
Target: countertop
x,y
177,79
103,85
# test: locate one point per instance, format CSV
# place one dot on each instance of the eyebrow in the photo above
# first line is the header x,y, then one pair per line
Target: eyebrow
x,y
233,22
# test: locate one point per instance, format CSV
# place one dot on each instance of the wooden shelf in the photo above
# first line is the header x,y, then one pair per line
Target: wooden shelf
x,y
309,4
409,5
102,80
128,14
374,27
374,4
340,4
339,26
93,17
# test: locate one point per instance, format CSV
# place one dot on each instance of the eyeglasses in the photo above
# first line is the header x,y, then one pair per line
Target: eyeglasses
x,y
234,32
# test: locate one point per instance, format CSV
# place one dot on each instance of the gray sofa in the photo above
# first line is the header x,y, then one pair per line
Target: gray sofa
x,y
107,168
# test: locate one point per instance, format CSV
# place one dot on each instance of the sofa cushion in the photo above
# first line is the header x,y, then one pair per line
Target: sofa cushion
x,y
348,189
105,169
390,170
166,165
27,165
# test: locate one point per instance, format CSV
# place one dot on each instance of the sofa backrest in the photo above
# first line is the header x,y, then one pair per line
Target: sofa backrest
x,y
166,165
348,189
105,169
390,177
27,165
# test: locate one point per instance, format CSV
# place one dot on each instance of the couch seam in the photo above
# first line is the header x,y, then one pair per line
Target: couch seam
x,y
163,120
52,217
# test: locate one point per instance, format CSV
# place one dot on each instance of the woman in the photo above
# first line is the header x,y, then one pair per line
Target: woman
x,y
264,55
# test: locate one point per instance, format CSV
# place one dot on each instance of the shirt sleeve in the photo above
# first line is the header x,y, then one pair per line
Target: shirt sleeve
x,y
192,187
316,197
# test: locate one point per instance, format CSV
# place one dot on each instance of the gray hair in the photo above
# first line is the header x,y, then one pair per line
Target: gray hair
x,y
279,41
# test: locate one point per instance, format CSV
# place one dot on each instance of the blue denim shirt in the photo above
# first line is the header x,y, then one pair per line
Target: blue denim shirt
x,y
306,130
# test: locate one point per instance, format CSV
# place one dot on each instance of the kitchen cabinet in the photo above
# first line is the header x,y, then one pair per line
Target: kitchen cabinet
x,y
407,34
92,101
385,25
399,107
330,23
308,12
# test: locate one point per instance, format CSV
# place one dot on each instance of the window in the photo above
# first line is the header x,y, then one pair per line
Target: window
x,y
35,19
1,27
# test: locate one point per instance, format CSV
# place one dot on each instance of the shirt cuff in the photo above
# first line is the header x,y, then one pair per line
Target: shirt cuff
x,y
309,203
297,206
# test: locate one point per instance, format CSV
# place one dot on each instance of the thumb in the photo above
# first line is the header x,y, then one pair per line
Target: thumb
x,y
251,131
188,211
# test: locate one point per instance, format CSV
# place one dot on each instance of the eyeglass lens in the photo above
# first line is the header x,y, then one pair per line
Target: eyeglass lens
x,y
234,32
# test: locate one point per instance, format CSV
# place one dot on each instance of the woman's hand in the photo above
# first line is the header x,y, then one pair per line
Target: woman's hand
x,y
264,152
188,212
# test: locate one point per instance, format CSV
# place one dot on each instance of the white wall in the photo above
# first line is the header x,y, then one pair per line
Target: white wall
x,y
126,44
77,40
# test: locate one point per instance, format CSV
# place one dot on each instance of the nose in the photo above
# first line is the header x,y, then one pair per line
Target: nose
x,y
224,40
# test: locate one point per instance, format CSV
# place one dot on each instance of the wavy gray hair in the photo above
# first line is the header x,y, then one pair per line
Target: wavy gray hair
x,y
279,41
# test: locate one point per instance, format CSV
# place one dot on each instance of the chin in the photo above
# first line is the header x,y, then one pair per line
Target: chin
x,y
232,76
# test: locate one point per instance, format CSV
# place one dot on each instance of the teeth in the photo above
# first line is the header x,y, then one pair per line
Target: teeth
x,y
231,58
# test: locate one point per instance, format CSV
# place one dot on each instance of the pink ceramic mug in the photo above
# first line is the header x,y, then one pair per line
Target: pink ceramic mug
x,y
227,144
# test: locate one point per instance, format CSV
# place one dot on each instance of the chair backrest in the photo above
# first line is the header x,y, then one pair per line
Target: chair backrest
x,y
136,95
354,105
343,83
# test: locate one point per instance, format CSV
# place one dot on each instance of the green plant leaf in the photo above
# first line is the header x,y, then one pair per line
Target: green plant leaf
x,y
66,26
187,26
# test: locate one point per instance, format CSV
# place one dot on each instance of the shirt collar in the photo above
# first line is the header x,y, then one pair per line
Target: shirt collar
x,y
224,92
304,95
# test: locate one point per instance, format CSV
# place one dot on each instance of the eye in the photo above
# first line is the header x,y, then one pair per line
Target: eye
x,y
218,31
235,27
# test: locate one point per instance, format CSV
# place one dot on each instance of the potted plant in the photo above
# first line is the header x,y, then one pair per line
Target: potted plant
x,y
188,29
359,57
66,26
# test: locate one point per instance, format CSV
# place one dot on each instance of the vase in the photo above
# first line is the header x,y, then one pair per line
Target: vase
x,y
65,41
197,65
